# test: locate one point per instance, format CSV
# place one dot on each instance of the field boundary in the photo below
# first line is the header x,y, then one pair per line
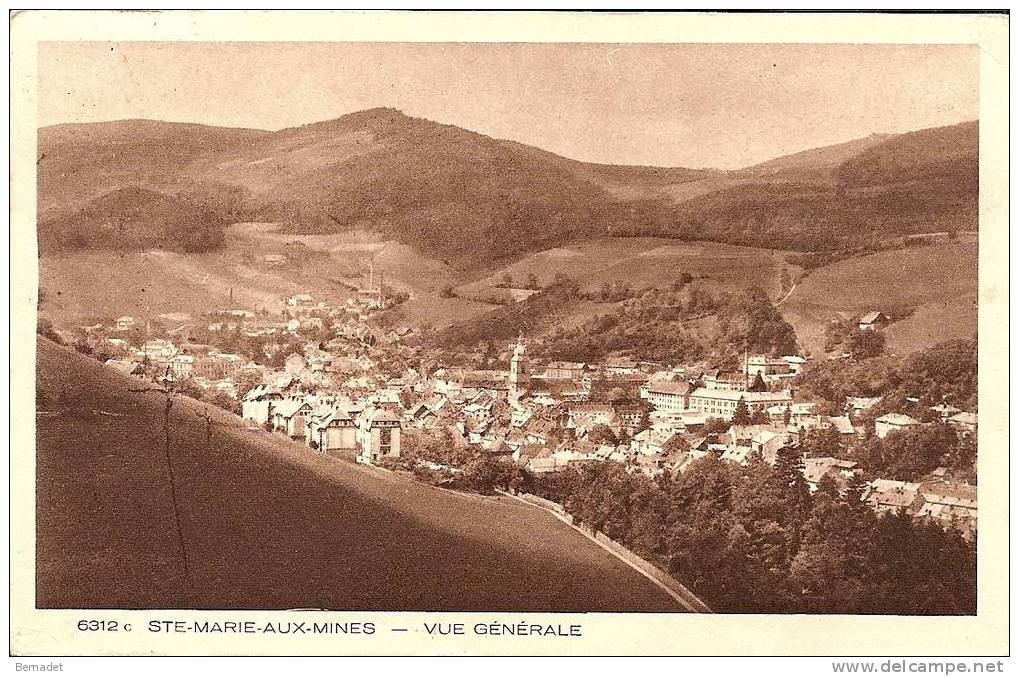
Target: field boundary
x,y
660,578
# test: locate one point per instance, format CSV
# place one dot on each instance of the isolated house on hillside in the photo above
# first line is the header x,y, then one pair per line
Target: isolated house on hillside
x,y
964,422
651,442
800,414
856,405
124,323
843,425
945,410
874,320
795,362
841,471
131,368
739,455
767,444
953,503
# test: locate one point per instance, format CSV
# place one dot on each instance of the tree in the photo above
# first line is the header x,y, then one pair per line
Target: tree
x,y
866,344
245,380
676,444
963,457
484,474
447,292
507,280
758,385
821,442
532,281
913,452
789,467
741,416
759,417
602,434
716,426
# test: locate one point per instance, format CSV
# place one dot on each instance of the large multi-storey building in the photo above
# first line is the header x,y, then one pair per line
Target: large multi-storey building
x,y
723,403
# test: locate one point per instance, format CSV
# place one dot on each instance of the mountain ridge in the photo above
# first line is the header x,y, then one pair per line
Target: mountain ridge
x,y
463,196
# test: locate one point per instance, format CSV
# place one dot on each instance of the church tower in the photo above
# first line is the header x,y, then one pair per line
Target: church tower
x,y
520,370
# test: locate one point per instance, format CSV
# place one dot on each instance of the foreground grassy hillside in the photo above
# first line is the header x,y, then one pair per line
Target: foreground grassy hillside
x,y
935,286
269,525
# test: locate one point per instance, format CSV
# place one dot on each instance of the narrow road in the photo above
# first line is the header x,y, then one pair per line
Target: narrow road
x,y
786,296
687,599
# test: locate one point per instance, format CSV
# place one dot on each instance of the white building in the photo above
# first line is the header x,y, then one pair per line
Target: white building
x,y
722,403
668,396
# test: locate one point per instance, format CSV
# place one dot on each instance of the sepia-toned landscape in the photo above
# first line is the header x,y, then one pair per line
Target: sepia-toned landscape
x,y
387,362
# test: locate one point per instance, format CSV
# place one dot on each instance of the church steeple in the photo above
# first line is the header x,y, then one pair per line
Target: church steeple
x,y
520,369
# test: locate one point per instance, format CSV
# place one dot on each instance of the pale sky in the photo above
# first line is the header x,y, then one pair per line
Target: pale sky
x,y
724,106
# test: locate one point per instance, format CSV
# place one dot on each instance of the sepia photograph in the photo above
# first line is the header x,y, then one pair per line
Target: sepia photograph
x,y
485,326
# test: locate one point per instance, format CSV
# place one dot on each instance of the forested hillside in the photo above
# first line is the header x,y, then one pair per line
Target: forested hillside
x,y
473,200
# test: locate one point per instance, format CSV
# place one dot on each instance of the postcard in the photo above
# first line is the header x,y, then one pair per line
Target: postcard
x,y
509,333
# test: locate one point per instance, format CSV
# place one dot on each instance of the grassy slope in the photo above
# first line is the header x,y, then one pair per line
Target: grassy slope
x,y
646,261
268,524
939,282
635,261
80,285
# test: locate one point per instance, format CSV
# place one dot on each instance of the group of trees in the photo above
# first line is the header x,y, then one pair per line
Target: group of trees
x,y
909,454
911,385
749,321
478,471
754,539
743,415
845,335
647,324
530,281
134,218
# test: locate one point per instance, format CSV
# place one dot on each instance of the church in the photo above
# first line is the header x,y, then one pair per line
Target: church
x,y
520,371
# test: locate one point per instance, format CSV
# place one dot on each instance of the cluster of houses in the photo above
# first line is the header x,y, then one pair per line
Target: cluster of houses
x,y
331,396
938,497
203,364
328,424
